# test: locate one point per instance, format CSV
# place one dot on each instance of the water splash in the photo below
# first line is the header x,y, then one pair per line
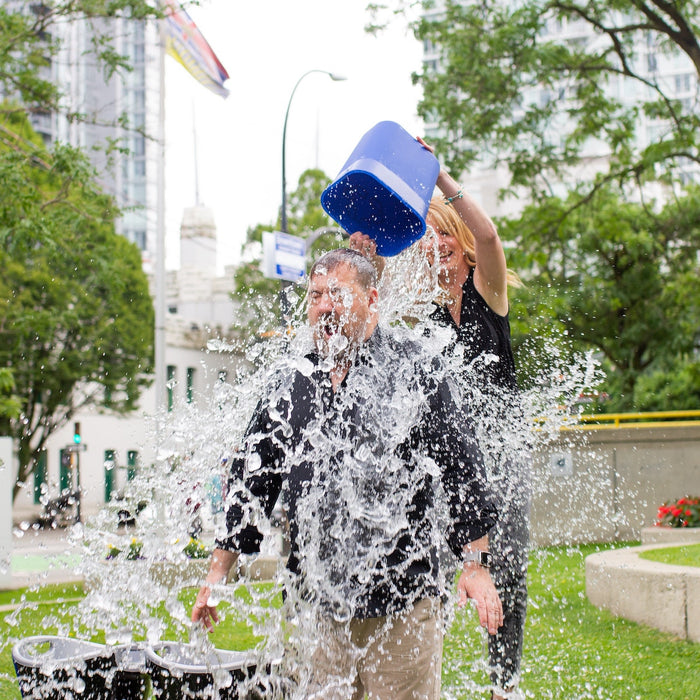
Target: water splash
x,y
139,594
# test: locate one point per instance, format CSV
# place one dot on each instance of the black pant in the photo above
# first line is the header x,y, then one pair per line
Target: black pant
x,y
509,542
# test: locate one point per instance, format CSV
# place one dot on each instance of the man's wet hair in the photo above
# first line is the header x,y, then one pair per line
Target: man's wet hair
x,y
364,270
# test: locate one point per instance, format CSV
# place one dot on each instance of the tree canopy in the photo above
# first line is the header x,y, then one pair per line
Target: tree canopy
x,y
621,279
258,295
592,110
512,90
76,316
28,44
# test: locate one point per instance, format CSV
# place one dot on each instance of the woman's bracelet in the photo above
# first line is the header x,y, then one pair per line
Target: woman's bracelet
x,y
459,195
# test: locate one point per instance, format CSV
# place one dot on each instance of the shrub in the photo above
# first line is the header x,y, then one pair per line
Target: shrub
x,y
194,549
684,512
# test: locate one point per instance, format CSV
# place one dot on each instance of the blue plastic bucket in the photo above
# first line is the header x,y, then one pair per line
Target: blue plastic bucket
x,y
384,188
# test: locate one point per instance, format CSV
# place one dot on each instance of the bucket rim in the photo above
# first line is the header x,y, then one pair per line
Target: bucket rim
x,y
244,660
93,650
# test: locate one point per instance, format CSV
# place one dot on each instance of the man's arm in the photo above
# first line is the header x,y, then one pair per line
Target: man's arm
x,y
241,536
475,583
204,610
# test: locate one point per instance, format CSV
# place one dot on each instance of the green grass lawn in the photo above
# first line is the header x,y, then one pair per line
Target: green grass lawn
x,y
572,650
685,555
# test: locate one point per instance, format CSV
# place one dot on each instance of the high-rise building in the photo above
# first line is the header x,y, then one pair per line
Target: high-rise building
x,y
656,64
118,128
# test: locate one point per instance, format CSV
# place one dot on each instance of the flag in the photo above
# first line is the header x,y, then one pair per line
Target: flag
x,y
185,43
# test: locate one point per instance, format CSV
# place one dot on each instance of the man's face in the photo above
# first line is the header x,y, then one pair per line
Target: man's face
x,y
341,312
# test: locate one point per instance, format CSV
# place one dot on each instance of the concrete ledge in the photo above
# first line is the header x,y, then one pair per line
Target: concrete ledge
x,y
187,573
671,535
662,596
261,568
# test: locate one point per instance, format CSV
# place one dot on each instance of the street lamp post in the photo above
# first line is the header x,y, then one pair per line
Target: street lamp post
x,y
332,76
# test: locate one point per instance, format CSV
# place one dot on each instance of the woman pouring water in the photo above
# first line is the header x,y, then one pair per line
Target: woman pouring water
x,y
474,280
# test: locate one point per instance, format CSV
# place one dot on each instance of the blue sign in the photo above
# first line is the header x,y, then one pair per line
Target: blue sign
x,y
284,256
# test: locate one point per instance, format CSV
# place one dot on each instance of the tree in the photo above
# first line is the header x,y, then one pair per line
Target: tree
x,y
507,92
259,296
76,317
28,44
622,279
10,405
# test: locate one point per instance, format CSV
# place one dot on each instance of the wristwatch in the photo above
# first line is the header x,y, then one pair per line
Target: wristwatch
x,y
481,557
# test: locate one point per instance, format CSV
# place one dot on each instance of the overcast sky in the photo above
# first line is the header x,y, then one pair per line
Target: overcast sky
x,y
266,46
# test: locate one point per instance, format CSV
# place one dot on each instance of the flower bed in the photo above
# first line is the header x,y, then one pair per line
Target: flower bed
x,y
194,549
683,512
676,522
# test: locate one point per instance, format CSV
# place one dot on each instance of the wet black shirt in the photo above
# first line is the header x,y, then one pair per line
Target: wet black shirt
x,y
372,524
482,333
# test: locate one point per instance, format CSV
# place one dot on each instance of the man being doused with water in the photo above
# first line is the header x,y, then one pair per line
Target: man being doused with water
x,y
362,435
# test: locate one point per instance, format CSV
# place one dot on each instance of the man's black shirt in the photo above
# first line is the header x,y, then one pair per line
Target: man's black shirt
x,y
361,469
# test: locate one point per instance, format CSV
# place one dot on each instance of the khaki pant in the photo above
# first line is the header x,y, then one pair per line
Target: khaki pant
x,y
383,658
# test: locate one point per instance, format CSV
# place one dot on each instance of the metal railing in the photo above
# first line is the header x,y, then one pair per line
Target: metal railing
x,y
651,419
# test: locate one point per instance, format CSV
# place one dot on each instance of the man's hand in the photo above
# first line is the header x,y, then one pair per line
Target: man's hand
x,y
475,583
202,611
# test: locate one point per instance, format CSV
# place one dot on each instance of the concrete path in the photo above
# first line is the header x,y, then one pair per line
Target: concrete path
x,y
42,556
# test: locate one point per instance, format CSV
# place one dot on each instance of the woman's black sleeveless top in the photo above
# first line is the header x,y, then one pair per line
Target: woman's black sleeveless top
x,y
481,334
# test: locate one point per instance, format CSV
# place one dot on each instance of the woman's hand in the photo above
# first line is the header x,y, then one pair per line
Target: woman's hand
x,y
362,243
425,145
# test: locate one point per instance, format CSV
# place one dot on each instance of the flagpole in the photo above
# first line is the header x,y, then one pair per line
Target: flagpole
x,y
160,239
196,163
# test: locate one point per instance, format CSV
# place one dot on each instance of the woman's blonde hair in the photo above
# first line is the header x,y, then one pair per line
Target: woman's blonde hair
x,y
445,218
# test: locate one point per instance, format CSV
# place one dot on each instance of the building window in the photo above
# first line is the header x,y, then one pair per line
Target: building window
x,y
40,478
65,474
132,463
138,237
190,384
170,385
110,464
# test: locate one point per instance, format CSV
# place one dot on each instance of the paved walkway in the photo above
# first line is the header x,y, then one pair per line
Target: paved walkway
x,y
42,556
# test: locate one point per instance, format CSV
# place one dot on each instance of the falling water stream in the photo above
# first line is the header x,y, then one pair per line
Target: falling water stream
x,y
352,514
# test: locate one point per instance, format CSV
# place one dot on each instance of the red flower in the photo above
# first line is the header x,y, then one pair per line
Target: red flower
x,y
683,512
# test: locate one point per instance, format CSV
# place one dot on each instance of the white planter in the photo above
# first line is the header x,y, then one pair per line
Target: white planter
x,y
186,572
178,574
670,535
190,572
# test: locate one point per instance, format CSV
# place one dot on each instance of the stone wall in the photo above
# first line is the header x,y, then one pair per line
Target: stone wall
x,y
605,485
